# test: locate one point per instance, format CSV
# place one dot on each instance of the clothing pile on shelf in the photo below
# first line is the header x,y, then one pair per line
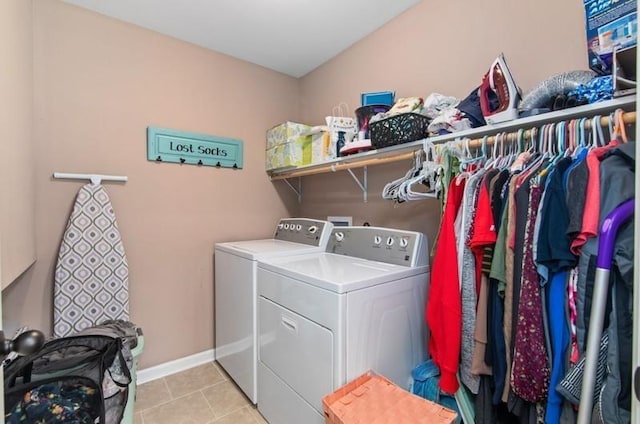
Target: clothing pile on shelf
x,y
513,272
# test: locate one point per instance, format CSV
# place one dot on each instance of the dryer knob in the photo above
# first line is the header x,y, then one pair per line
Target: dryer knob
x,y
280,226
404,242
313,229
390,241
298,227
377,240
286,226
339,236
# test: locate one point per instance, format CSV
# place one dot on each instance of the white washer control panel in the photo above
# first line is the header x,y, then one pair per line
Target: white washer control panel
x,y
387,245
302,230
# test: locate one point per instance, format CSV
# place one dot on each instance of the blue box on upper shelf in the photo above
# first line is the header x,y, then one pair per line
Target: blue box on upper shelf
x,y
378,98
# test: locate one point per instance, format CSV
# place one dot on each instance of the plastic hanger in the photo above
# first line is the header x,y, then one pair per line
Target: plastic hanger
x,y
611,125
470,160
430,172
619,128
490,160
582,135
594,132
520,140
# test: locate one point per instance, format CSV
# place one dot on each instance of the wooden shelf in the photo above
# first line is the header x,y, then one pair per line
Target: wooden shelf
x,y
406,151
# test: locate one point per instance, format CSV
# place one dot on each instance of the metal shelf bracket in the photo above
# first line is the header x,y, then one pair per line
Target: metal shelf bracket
x,y
297,191
363,184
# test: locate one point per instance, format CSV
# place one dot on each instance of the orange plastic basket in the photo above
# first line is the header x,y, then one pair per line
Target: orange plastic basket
x,y
372,399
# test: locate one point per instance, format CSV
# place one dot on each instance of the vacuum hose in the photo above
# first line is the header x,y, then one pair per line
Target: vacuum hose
x,y
541,95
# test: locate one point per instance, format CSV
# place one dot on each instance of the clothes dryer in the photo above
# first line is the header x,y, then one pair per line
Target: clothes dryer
x,y
326,318
235,292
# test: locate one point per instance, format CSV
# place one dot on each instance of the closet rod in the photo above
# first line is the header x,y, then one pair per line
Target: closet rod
x,y
345,166
627,118
94,178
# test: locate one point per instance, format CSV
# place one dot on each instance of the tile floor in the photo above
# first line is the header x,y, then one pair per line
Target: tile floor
x,y
201,395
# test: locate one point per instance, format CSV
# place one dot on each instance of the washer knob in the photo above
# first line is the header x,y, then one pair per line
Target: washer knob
x,y
404,242
286,226
339,236
298,227
280,226
313,229
377,240
390,241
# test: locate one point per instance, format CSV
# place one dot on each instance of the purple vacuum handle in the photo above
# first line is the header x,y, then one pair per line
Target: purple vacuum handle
x,y
609,231
606,245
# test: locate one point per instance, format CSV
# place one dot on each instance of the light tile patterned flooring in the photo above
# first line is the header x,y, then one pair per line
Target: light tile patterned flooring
x,y
201,395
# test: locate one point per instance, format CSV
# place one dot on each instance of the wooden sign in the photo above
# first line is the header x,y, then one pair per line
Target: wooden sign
x,y
165,145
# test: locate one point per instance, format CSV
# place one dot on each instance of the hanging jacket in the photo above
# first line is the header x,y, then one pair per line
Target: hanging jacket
x,y
617,178
617,185
444,309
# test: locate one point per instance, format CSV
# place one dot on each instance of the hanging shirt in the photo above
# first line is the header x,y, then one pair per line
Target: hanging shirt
x,y
591,215
479,366
560,341
467,274
576,197
443,311
553,248
484,229
530,373
515,255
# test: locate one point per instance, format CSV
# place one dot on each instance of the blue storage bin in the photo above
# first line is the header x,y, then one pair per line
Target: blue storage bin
x,y
378,98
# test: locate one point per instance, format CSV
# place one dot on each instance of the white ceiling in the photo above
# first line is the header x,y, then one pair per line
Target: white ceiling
x,y
289,36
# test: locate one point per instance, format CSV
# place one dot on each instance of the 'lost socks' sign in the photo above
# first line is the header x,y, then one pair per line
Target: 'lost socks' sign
x,y
165,145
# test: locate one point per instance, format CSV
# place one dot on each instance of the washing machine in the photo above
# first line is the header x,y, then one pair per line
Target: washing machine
x,y
326,318
235,292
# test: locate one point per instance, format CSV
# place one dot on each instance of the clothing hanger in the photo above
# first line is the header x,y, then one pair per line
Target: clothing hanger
x,y
513,152
533,146
570,146
597,132
620,129
520,140
430,172
470,159
390,190
491,162
497,143
594,132
561,138
582,133
611,125
573,138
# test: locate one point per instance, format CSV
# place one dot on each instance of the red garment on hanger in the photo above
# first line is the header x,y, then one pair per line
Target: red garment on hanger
x,y
444,305
484,230
591,214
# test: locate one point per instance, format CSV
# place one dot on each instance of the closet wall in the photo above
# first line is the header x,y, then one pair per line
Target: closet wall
x,y
443,47
17,187
98,84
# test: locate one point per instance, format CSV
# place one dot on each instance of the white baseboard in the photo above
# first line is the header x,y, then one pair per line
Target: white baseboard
x,y
177,365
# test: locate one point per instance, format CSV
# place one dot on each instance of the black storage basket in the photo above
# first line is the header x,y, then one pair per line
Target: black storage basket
x,y
398,129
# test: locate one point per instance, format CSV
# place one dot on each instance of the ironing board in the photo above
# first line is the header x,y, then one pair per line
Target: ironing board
x,y
91,277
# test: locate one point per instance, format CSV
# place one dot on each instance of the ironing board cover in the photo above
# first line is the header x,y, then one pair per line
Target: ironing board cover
x,y
91,278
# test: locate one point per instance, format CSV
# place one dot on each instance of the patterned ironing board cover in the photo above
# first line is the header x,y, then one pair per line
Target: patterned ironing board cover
x,y
92,275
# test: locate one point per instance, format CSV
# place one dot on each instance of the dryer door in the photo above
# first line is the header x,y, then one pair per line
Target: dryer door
x,y
297,350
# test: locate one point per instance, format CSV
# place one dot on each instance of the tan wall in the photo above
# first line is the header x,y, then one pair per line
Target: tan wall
x,y
443,47
17,187
99,83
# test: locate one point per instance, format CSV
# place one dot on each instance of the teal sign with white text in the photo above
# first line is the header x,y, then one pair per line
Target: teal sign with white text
x,y
165,145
